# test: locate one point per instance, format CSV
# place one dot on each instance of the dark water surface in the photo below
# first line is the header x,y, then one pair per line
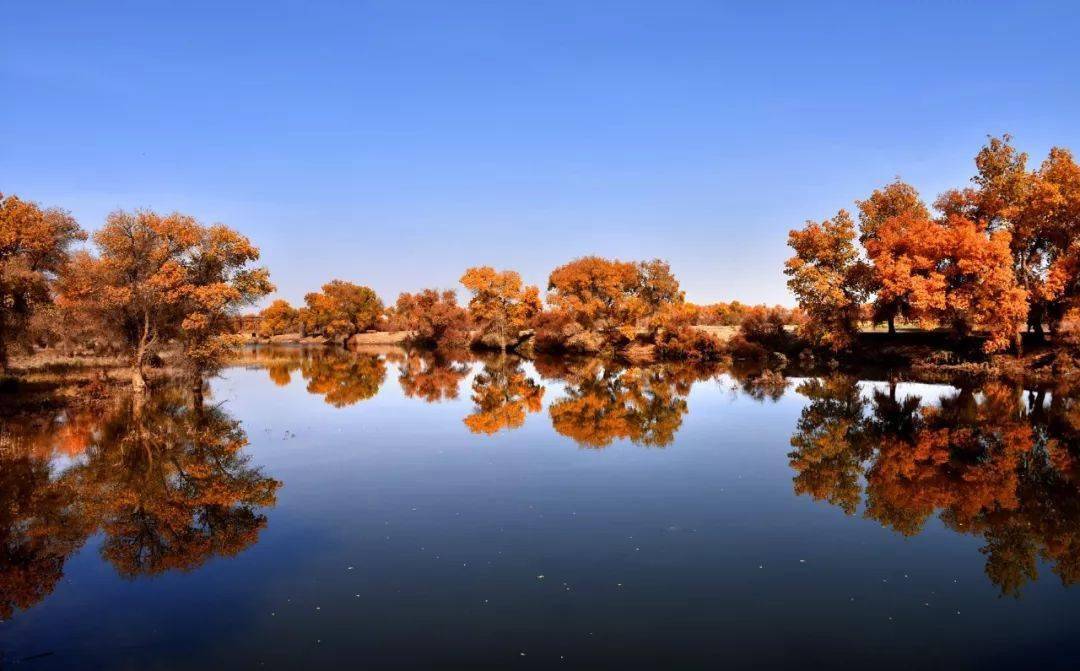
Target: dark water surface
x,y
325,509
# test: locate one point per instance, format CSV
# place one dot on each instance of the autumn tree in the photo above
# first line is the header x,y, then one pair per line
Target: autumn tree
x,y
829,279
762,332
676,338
1053,207
136,287
279,317
341,310
501,305
903,244
434,317
657,287
1040,210
219,280
601,295
982,290
35,246
160,278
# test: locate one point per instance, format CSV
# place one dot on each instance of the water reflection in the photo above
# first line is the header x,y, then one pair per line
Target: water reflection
x,y
165,480
605,402
431,377
991,460
982,459
502,396
340,376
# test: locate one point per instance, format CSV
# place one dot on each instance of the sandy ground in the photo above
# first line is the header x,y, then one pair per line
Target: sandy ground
x,y
724,333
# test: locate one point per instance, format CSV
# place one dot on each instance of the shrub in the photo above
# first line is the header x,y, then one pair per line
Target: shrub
x,y
761,333
434,317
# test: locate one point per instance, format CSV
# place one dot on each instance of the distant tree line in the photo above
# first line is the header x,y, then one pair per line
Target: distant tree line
x,y
593,305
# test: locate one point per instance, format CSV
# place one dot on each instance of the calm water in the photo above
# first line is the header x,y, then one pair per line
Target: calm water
x,y
325,508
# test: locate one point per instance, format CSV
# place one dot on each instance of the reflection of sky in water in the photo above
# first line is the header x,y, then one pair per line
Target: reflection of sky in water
x,y
400,539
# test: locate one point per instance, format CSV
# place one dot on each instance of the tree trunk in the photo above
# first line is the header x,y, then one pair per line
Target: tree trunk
x,y
1036,314
892,325
1018,341
3,349
138,380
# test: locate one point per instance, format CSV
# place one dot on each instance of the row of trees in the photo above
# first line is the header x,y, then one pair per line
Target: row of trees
x,y
150,281
994,257
592,305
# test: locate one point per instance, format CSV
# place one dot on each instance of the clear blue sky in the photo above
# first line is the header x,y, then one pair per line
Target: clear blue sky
x,y
394,143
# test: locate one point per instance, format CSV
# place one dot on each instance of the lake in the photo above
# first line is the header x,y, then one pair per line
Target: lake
x,y
321,508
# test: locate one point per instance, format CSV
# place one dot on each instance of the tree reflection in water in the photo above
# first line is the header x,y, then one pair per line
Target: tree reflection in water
x,y
165,480
431,376
502,395
981,459
605,402
342,377
987,463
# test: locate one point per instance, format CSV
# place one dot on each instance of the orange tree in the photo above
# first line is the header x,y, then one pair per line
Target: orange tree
x,y
902,243
829,279
219,282
341,310
1040,210
501,305
135,287
600,295
157,278
434,317
278,318
34,247
982,291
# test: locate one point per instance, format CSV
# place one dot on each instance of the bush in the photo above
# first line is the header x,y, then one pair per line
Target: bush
x,y
551,329
760,334
435,318
687,343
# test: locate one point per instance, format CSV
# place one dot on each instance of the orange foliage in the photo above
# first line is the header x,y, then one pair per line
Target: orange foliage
x,y
434,317
343,378
158,278
677,339
905,246
501,306
605,403
983,293
431,378
828,279
341,310
278,318
34,247
165,481
503,395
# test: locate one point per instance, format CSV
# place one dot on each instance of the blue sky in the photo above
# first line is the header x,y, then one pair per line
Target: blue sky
x,y
395,142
